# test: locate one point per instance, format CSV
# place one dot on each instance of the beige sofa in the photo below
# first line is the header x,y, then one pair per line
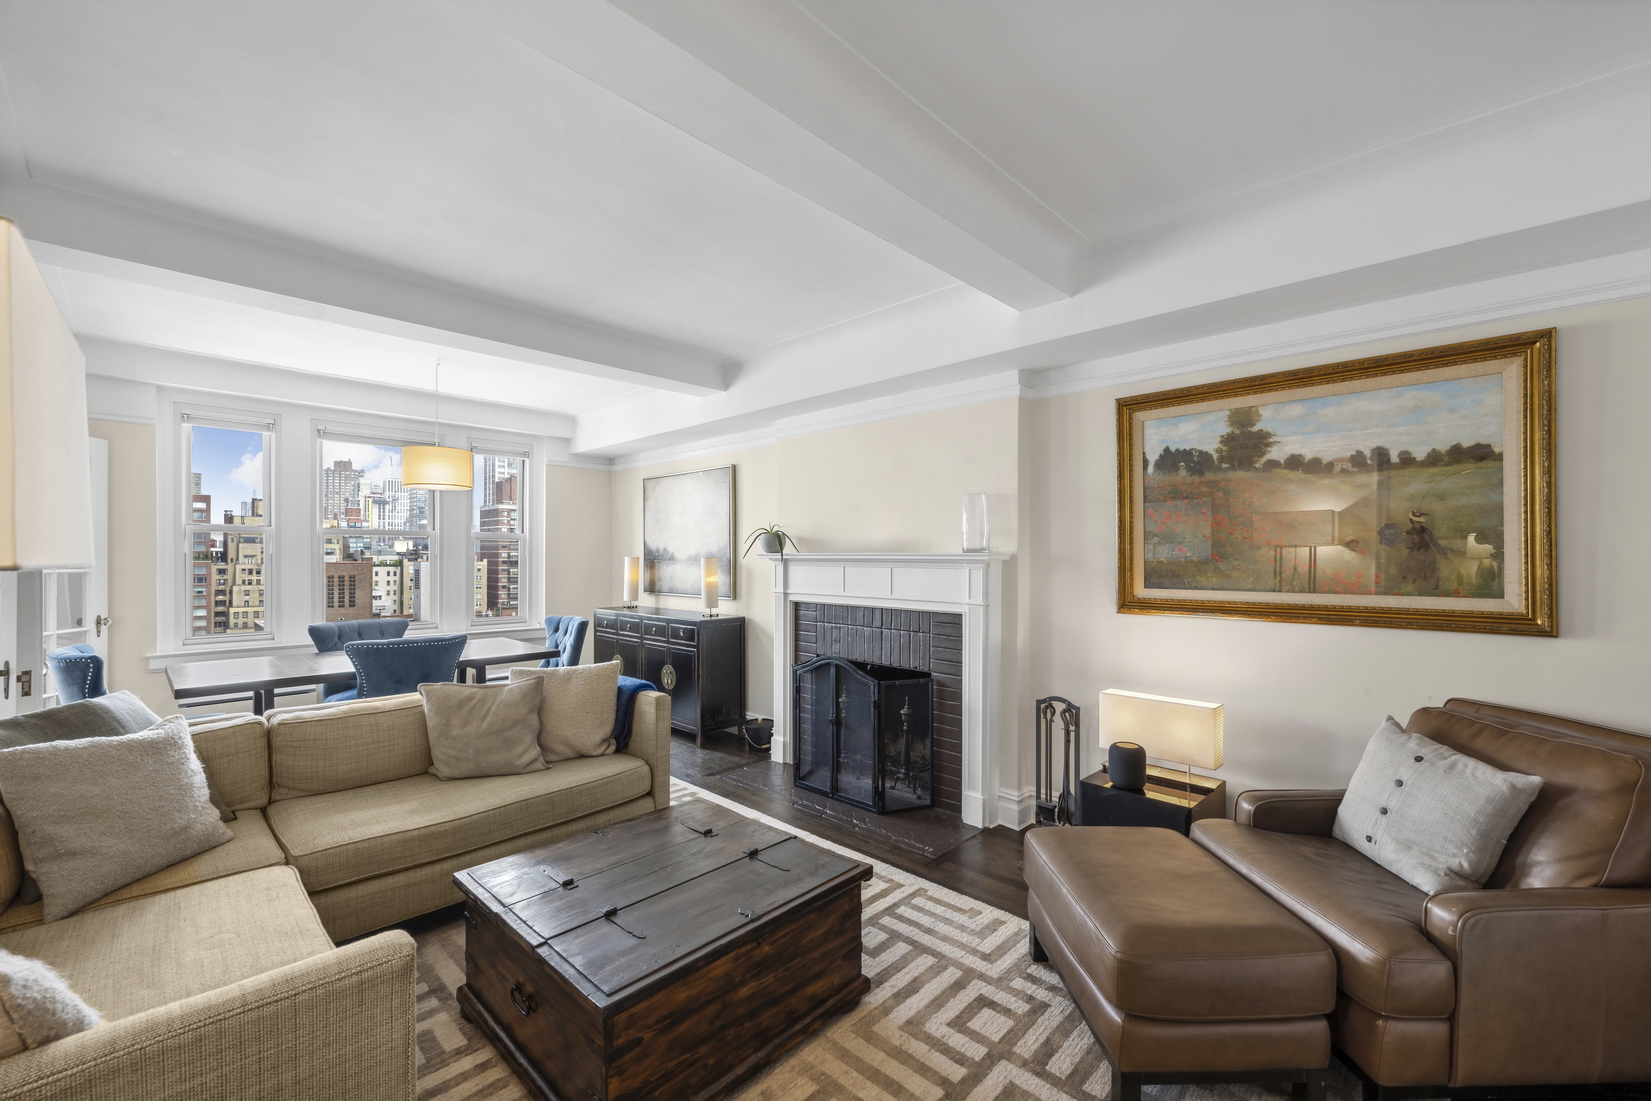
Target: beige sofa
x,y
218,977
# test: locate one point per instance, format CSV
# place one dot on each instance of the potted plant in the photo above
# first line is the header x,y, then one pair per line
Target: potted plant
x,y
769,540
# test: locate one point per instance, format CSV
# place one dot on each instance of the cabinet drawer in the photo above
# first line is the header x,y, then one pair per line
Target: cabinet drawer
x,y
681,633
630,624
655,628
606,622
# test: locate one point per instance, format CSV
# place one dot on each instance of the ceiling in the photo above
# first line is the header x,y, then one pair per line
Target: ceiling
x,y
673,219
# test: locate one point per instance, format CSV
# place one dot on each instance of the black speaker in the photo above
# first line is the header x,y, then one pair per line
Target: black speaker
x,y
1126,766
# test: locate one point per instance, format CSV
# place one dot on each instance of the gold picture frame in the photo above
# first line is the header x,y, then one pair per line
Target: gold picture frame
x,y
1413,490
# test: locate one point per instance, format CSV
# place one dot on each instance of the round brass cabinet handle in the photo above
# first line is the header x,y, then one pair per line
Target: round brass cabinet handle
x,y
667,677
524,1002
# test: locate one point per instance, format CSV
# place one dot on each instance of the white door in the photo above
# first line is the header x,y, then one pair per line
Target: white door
x,y
9,652
74,604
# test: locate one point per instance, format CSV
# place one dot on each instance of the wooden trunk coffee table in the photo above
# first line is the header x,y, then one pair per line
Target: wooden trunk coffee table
x,y
669,956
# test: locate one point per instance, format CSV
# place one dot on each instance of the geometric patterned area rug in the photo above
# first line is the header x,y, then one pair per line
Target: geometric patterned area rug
x,y
957,1009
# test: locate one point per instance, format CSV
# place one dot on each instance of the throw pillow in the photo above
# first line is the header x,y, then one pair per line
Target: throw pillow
x,y
37,1006
103,717
576,715
1436,818
482,729
95,814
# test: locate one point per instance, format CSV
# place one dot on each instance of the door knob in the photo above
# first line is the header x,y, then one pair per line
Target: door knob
x,y
102,622
5,680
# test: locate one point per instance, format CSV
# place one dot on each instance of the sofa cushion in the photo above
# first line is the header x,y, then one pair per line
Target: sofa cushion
x,y
1370,917
1594,806
252,846
99,813
482,729
1434,817
344,836
336,747
153,951
576,715
234,750
1166,930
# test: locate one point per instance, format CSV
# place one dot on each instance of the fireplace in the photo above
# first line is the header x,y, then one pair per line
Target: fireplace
x,y
863,733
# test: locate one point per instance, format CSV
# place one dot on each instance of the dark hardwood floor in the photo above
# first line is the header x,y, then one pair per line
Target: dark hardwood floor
x,y
985,866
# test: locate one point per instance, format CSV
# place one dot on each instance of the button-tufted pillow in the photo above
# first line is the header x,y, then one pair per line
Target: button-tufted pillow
x,y
1432,816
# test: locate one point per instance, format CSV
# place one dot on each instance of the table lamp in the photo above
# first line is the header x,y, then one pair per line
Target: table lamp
x,y
633,581
1186,732
710,581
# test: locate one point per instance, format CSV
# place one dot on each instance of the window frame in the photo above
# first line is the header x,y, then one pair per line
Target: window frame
x,y
481,449
431,598
187,419
294,580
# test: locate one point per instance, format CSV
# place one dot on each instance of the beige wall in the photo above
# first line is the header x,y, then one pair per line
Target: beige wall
x,y
579,543
1302,699
898,485
132,561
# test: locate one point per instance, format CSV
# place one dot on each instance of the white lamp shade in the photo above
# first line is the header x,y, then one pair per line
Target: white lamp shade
x,y
633,579
437,468
710,580
1188,732
45,459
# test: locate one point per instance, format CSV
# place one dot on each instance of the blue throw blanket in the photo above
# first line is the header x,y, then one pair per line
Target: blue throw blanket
x,y
628,689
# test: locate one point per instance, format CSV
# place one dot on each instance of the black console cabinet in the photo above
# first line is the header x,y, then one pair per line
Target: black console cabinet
x,y
698,660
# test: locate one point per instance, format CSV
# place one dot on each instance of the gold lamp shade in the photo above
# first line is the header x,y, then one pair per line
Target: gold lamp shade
x,y
1188,732
436,468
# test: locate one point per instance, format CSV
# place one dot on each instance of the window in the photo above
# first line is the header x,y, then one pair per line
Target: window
x,y
227,535
497,524
375,536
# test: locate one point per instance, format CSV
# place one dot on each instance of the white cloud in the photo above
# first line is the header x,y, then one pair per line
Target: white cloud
x,y
248,474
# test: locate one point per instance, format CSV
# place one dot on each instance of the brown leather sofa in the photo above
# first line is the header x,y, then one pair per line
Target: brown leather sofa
x,y
1541,979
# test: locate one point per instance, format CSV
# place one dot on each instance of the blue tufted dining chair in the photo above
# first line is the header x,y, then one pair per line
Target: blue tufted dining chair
x,y
567,634
331,637
392,666
78,672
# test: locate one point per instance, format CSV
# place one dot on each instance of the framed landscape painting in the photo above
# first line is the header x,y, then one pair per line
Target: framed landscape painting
x,y
687,517
1410,490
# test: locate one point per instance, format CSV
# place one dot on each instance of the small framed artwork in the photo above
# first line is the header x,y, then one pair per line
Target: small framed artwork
x,y
685,518
1410,490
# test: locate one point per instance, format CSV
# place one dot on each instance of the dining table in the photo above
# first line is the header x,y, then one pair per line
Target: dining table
x,y
265,674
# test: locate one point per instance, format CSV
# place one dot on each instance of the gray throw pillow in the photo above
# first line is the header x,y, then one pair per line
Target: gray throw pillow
x,y
1436,818
482,729
37,1006
98,813
103,717
576,717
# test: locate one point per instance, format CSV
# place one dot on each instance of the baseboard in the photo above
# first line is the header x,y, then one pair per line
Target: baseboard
x,y
1016,809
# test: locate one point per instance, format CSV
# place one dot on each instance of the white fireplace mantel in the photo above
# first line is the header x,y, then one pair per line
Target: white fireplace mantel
x,y
969,585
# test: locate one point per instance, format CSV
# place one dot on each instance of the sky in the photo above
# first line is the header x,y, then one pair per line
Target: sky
x,y
231,465
1405,418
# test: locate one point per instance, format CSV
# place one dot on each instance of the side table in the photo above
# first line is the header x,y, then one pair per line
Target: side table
x,y
1167,800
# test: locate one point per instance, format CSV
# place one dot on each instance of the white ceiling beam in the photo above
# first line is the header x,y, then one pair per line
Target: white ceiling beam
x,y
912,183
188,371
309,284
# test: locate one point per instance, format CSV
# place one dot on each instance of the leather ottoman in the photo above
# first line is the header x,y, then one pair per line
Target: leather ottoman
x,y
1184,971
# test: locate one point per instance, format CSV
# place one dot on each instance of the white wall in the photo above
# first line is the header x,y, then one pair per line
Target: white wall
x,y
1302,699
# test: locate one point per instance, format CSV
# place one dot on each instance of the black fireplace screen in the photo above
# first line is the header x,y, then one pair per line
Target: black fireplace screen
x,y
863,733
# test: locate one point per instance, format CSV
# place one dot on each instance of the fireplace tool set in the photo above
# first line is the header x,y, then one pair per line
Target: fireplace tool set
x,y
1056,809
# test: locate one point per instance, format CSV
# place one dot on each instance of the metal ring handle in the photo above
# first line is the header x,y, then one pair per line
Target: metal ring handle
x,y
524,1002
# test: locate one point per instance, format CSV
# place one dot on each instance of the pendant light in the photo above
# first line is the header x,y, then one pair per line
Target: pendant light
x,y
437,467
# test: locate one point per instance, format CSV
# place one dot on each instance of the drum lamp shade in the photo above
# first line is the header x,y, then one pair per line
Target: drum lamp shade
x,y
436,468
